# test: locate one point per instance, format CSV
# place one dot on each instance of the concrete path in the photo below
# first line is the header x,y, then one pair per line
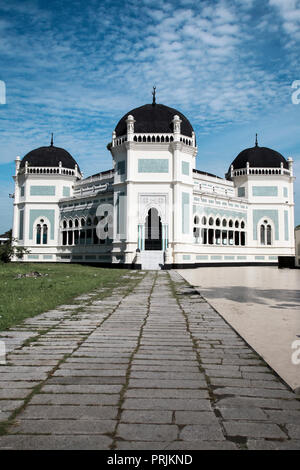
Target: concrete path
x,y
156,368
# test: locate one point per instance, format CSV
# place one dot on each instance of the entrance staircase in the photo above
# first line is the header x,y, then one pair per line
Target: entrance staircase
x,y
152,259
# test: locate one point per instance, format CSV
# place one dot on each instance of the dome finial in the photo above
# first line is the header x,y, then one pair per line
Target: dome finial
x,y
154,96
51,144
256,143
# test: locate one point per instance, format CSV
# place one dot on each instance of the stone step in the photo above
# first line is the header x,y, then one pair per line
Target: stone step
x,y
152,259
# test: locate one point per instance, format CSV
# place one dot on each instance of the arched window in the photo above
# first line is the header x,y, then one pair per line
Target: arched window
x,y
38,234
45,234
269,235
41,231
218,222
196,233
204,220
265,233
262,235
211,221
196,230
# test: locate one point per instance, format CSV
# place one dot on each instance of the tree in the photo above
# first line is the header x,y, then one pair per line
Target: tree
x,y
8,249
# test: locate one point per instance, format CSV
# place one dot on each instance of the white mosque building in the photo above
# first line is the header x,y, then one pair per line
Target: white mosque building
x,y
154,209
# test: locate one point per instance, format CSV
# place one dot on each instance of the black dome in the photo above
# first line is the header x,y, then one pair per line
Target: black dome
x,y
155,118
49,156
259,157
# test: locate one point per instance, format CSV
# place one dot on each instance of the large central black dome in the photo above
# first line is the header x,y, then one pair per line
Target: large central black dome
x,y
49,157
154,118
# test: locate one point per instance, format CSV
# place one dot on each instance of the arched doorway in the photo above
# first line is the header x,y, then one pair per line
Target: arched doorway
x,y
153,231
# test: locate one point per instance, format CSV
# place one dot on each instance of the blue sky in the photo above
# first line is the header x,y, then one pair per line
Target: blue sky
x,y
75,67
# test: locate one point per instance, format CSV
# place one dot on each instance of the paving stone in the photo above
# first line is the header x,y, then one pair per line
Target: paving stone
x,y
195,417
11,393
203,432
63,426
10,405
59,442
22,384
254,392
146,416
4,415
201,445
139,445
82,388
165,393
243,414
69,412
284,417
293,430
165,404
263,444
75,399
183,384
248,429
147,432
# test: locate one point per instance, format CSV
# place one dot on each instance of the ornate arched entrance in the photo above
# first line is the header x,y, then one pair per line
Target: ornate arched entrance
x,y
153,230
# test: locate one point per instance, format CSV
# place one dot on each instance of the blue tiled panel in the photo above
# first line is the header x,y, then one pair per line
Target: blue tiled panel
x,y
121,167
66,191
121,211
185,212
286,225
21,225
42,190
153,165
241,192
265,191
185,168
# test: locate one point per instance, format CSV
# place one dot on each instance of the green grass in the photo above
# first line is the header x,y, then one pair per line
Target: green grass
x,y
27,297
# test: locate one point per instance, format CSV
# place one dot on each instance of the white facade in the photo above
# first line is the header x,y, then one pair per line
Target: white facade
x,y
198,218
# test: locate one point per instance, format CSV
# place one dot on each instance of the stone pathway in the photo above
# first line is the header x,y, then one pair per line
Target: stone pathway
x,y
155,368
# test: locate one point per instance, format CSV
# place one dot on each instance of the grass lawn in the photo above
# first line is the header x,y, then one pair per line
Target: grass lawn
x,y
27,297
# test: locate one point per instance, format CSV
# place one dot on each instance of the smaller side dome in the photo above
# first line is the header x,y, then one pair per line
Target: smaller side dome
x,y
258,157
49,157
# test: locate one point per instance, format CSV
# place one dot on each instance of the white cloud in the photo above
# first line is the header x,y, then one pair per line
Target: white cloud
x,y
290,14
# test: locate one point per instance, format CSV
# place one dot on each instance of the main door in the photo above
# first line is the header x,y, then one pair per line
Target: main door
x,y
153,231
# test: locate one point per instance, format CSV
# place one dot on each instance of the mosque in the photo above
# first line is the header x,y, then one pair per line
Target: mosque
x,y
154,209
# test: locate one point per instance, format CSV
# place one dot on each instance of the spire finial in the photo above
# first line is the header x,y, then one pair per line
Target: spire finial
x,y
51,139
154,96
256,143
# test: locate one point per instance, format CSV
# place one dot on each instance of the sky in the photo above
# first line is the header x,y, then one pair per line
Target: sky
x,y
76,67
